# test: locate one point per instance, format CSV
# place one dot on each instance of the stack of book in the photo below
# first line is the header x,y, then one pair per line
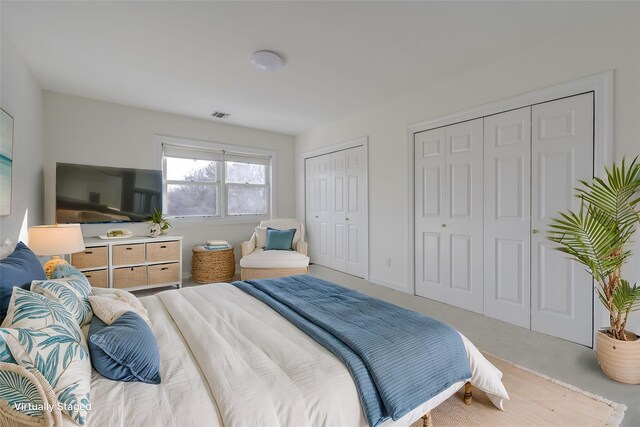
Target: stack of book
x,y
216,245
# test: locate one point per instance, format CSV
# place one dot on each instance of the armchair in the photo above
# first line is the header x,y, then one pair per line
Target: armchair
x,y
256,263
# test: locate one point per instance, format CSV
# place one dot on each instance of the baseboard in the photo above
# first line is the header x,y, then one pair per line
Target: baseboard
x,y
388,284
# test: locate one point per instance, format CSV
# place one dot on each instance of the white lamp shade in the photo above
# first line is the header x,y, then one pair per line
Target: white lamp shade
x,y
58,239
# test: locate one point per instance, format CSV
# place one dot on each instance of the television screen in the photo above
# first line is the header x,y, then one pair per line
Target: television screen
x,y
97,194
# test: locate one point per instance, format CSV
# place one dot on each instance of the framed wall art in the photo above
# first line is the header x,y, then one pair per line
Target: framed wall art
x,y
6,161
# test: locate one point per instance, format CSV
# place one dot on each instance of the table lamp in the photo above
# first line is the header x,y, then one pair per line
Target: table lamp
x,y
55,240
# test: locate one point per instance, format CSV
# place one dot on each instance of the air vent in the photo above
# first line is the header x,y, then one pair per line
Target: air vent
x,y
219,115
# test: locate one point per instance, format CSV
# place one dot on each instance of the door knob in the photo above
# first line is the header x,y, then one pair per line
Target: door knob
x,y
443,225
534,231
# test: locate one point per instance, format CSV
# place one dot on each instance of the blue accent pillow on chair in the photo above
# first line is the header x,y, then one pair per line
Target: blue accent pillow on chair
x,y
280,240
126,350
18,269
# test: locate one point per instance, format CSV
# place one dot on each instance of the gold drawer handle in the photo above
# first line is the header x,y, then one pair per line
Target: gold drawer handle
x,y
164,268
129,249
88,276
163,247
88,252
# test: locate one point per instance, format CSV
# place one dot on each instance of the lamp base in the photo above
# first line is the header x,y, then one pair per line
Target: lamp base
x,y
50,265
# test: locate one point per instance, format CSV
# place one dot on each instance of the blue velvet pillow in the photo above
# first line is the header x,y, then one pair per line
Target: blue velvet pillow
x,y
281,240
18,269
126,350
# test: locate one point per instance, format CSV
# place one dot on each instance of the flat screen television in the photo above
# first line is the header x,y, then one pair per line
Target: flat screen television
x,y
98,194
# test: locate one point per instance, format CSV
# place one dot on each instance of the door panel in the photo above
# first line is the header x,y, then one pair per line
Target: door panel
x,y
464,213
562,154
355,202
338,212
431,243
507,220
318,215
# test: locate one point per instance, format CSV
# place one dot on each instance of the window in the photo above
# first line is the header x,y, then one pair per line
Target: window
x,y
212,183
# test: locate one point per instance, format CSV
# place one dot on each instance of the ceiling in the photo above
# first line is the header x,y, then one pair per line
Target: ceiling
x,y
192,58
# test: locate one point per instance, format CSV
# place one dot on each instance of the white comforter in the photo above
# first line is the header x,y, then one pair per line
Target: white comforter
x,y
228,359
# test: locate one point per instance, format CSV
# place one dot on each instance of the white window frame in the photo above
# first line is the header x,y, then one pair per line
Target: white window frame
x,y
222,193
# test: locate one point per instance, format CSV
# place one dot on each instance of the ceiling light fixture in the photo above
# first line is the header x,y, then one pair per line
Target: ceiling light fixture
x,y
266,60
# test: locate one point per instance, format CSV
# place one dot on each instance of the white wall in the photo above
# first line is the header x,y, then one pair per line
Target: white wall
x,y
84,131
21,97
607,45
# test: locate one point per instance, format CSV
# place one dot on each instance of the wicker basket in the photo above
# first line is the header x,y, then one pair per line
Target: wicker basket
x,y
212,266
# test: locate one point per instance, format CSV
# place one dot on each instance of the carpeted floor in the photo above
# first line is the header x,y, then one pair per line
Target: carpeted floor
x,y
535,400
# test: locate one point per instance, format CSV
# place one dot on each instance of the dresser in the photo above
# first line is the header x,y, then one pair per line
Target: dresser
x,y
133,263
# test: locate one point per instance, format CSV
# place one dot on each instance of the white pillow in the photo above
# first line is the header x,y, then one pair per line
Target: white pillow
x,y
261,237
109,307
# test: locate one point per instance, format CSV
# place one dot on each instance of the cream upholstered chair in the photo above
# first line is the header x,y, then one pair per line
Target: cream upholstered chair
x,y
256,263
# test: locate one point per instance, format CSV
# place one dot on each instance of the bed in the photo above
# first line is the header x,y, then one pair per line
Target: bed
x,y
228,359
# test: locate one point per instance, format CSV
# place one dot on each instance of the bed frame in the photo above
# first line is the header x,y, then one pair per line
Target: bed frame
x,y
427,421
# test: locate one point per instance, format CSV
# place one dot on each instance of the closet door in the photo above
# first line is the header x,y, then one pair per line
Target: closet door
x,y
355,202
431,256
318,216
507,219
562,154
311,204
339,212
463,214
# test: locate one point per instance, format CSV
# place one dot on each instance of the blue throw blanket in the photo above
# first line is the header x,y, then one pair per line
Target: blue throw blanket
x,y
398,358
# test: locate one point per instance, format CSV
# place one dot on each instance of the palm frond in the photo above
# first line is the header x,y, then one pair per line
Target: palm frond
x,y
615,196
626,297
592,238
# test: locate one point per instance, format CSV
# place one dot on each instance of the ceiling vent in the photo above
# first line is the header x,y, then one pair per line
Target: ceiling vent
x,y
219,115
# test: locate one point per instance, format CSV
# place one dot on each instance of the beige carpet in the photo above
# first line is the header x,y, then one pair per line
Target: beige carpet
x,y
536,400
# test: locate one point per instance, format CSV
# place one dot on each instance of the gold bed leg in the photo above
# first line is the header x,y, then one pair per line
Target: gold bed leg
x,y
467,393
427,421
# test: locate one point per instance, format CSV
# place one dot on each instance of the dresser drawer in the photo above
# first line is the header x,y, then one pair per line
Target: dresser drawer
x,y
97,278
91,258
163,273
129,277
163,251
128,254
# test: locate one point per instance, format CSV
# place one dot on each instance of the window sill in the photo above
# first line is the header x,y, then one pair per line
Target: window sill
x,y
209,220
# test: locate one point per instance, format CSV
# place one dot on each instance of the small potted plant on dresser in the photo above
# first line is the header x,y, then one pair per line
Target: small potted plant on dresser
x,y
159,218
597,236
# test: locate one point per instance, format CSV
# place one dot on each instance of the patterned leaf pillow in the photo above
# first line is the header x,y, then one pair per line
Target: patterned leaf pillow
x,y
42,334
72,292
31,310
20,393
62,361
27,392
5,353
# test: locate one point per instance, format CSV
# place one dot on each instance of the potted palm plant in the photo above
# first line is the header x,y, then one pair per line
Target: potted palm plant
x,y
159,218
597,237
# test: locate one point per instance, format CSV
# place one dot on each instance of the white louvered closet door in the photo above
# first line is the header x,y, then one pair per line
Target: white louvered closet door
x,y
507,219
562,154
